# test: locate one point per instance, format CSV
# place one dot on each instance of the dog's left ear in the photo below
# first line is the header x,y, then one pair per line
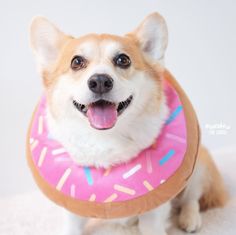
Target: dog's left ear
x,y
152,36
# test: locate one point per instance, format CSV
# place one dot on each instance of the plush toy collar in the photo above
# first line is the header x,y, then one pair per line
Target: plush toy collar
x,y
152,167
152,177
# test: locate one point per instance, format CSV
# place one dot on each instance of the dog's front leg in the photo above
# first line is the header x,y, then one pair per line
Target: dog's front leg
x,y
155,221
73,224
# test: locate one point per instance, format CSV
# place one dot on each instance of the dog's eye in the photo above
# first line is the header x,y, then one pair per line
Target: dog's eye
x,y
122,60
78,62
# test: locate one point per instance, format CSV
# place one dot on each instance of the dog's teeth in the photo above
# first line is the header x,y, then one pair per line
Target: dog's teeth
x,y
124,104
76,104
80,107
85,108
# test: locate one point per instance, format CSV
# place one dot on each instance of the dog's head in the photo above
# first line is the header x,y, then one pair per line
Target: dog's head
x,y
101,79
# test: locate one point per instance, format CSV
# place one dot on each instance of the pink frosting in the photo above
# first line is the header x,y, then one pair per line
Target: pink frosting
x,y
150,168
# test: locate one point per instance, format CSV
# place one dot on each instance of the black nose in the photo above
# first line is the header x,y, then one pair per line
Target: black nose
x,y
100,83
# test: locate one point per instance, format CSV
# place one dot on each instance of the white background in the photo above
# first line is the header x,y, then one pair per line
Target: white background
x,y
201,54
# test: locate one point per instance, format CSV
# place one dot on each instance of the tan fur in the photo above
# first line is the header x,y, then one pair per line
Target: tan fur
x,y
128,43
215,193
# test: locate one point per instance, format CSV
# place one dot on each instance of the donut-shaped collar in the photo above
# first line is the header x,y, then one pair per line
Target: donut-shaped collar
x,y
72,185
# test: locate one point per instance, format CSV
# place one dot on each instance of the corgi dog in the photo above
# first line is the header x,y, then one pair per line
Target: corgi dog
x,y
106,103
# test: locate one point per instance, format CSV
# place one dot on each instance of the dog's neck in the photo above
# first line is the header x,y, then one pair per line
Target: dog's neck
x,y
91,147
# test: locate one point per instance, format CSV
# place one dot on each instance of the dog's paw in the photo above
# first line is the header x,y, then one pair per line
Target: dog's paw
x,y
190,220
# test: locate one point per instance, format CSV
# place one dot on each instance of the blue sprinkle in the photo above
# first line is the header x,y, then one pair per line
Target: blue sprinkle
x,y
167,157
174,114
88,175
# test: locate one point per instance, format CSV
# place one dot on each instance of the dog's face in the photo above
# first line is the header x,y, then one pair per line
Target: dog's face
x,y
101,79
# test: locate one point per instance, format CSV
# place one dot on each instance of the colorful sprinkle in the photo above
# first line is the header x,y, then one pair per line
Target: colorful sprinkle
x,y
34,144
132,171
88,175
176,138
167,157
63,179
174,114
149,163
147,185
42,156
40,125
123,189
58,151
111,198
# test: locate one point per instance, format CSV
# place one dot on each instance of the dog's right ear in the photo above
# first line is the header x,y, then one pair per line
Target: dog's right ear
x,y
46,42
152,36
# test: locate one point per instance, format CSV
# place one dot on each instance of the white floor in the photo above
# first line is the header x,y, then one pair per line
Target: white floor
x,y
32,213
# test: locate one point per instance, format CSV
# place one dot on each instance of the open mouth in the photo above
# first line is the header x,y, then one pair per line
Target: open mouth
x,y
103,114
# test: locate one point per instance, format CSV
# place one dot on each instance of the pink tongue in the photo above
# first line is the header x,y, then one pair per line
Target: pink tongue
x,y
102,116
